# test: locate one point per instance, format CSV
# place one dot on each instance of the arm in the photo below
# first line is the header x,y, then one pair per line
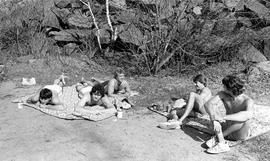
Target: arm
x,y
35,98
127,90
106,102
82,101
205,93
61,80
55,99
111,89
242,116
212,105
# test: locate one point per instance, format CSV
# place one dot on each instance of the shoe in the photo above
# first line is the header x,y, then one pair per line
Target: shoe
x,y
211,142
171,125
219,148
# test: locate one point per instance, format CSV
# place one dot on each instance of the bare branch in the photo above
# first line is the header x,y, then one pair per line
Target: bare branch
x,y
95,22
109,20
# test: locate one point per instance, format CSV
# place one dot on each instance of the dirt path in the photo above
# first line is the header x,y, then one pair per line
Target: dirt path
x,y
29,135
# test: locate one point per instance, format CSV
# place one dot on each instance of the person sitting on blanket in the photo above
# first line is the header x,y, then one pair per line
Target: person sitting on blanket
x,y
95,99
235,124
118,87
49,94
195,105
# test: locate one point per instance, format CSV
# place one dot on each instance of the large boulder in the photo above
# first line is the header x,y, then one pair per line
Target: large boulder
x,y
78,20
248,53
225,25
165,7
119,4
50,18
131,34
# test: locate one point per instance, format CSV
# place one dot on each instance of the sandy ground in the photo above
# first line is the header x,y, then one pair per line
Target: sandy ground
x,y
29,135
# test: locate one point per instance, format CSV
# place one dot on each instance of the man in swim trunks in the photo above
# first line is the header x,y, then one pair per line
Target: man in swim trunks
x,y
118,87
195,103
235,124
49,94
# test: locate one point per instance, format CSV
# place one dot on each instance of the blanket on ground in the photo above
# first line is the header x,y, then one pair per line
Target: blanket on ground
x,y
260,122
70,98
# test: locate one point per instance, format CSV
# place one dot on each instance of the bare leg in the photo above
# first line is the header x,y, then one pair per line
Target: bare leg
x,y
237,131
214,111
173,115
194,99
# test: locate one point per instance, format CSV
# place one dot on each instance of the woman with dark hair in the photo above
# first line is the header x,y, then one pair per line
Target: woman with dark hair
x,y
96,97
235,124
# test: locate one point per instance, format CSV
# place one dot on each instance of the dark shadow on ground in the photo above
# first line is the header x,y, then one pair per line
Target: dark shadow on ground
x,y
195,134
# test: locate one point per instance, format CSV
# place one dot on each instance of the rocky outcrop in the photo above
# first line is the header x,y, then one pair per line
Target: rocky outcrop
x,y
248,53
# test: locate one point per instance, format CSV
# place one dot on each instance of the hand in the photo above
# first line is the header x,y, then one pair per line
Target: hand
x,y
217,127
219,119
42,106
62,78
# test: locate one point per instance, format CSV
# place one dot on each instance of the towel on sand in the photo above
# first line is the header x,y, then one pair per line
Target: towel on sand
x,y
260,122
70,98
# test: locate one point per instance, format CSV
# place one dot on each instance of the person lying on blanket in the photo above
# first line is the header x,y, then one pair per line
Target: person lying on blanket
x,y
235,124
195,105
84,86
117,87
49,94
96,97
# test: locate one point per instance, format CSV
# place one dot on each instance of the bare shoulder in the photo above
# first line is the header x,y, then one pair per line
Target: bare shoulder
x,y
125,83
247,99
207,90
112,81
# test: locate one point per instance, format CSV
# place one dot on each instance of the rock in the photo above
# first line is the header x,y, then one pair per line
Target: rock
x,y
70,48
166,7
264,66
216,7
248,53
131,34
197,10
207,27
124,16
258,8
62,15
80,20
62,36
50,18
226,24
67,3
105,36
266,51
118,4
245,21
231,3
213,43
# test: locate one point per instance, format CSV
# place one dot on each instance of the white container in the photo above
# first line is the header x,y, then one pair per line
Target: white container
x,y
20,105
119,114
